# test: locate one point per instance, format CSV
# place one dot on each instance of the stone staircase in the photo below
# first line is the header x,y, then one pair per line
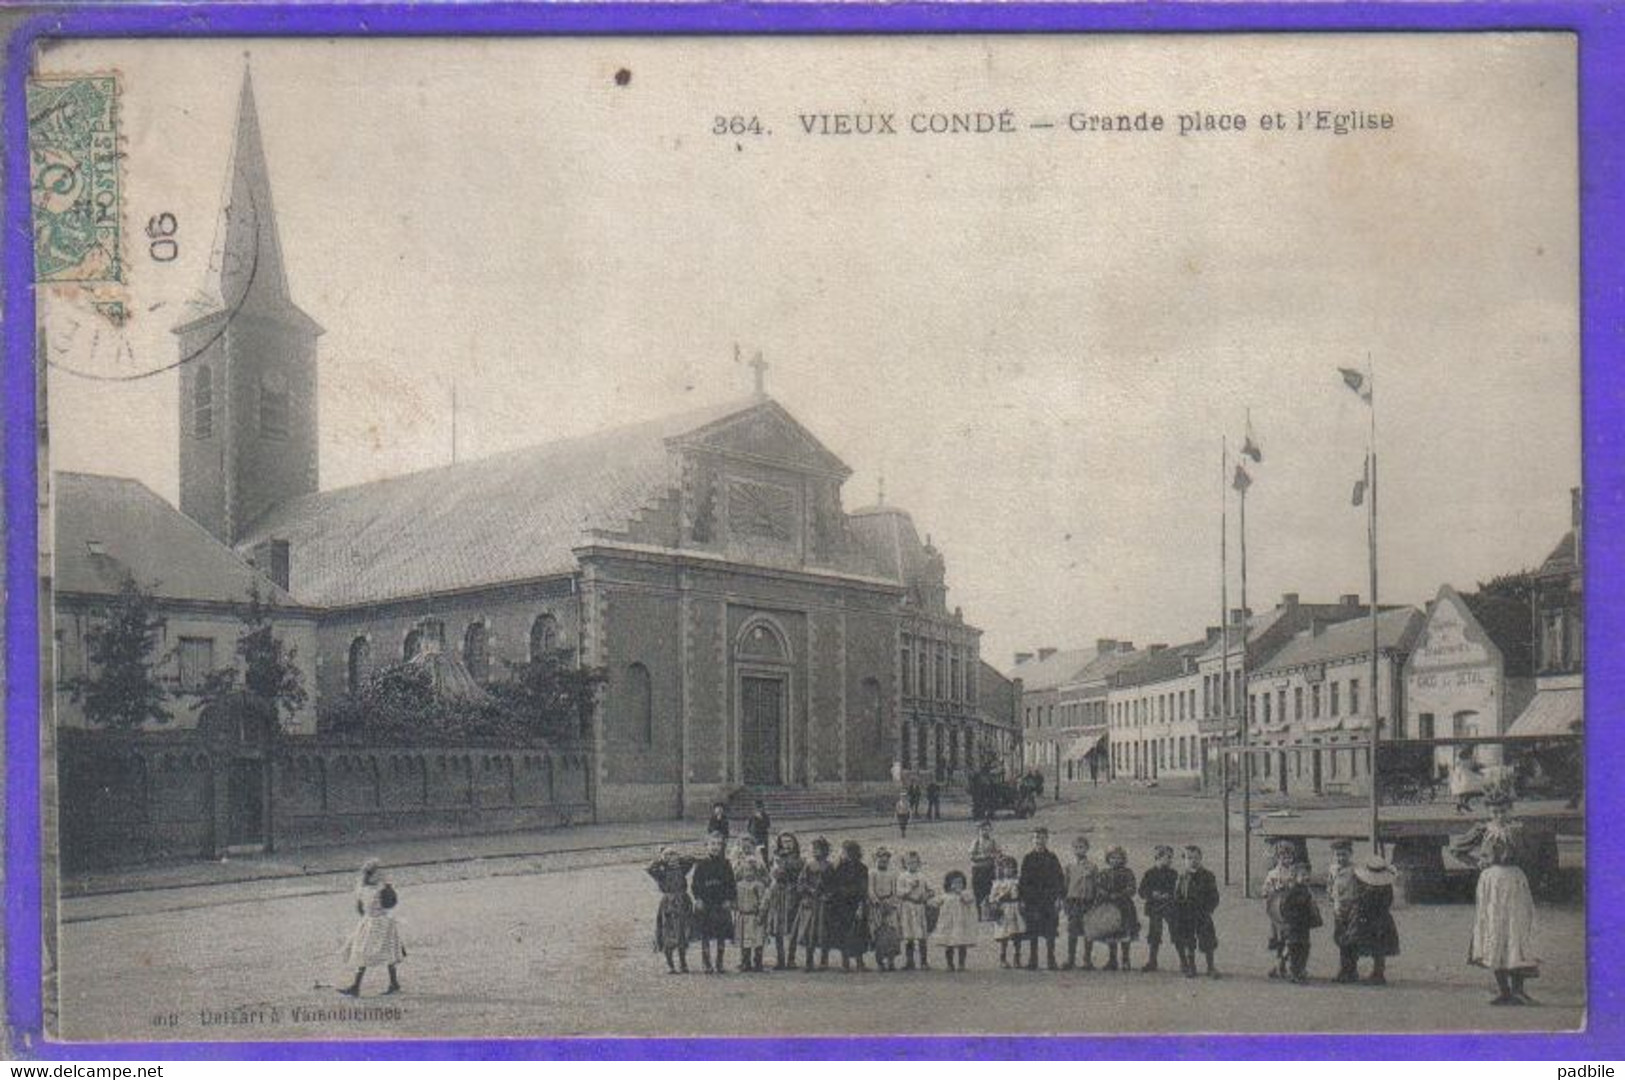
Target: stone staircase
x,y
789,803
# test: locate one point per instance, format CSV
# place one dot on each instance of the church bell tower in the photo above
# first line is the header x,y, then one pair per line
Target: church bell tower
x,y
248,361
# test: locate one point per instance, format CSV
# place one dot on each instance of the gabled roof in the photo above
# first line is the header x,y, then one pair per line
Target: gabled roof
x,y
512,517
1257,624
1561,560
1104,665
1159,665
109,528
1397,629
1052,671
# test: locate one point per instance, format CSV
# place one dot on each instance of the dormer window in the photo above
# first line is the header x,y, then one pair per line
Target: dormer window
x,y
95,547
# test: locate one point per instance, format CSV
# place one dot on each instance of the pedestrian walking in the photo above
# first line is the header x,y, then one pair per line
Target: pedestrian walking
x,y
1371,930
1081,873
1300,917
1115,887
715,892
885,921
956,920
675,917
914,895
902,811
933,801
750,914
812,905
1157,892
848,898
376,939
1196,898
1042,884
984,859
782,901
1005,900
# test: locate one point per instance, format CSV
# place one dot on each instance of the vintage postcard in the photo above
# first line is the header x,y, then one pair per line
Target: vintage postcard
x,y
784,535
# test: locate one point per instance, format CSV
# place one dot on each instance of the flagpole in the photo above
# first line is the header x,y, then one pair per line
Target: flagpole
x,y
1376,690
1224,633
1246,754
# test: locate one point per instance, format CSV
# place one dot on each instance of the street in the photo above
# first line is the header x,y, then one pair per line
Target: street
x,y
561,946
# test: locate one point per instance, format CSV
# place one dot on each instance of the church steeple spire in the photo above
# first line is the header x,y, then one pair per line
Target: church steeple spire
x,y
246,268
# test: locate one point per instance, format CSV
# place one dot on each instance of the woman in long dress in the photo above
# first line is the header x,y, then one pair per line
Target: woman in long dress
x,y
376,939
1504,923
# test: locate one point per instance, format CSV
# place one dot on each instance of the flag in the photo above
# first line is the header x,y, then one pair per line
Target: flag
x,y
1249,447
1362,483
1242,481
1358,382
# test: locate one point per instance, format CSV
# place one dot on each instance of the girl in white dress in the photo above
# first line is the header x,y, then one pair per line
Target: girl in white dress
x,y
957,921
1504,923
913,899
1005,901
376,940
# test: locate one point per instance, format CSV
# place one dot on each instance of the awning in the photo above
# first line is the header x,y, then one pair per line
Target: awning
x,y
1084,745
1552,712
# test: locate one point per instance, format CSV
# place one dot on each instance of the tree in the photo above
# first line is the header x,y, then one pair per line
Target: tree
x,y
270,675
552,695
123,690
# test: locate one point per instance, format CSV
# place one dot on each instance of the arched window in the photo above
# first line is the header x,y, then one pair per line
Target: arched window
x,y
430,633
760,640
412,645
640,702
476,655
544,637
203,403
356,668
274,405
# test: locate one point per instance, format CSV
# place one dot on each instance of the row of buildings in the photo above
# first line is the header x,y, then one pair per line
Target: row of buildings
x,y
1505,660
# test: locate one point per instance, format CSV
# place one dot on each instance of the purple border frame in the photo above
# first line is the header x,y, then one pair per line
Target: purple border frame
x,y
1601,31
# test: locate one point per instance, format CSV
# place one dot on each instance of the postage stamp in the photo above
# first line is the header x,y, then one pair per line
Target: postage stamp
x,y
73,132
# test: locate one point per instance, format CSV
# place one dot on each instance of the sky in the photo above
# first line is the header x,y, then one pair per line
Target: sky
x,y
1041,338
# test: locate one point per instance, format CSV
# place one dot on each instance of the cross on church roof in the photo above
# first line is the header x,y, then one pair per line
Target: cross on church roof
x,y
760,366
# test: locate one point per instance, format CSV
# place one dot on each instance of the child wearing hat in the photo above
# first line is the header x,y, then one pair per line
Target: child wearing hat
x,y
675,916
1371,930
1340,888
1041,884
1276,883
1157,891
1190,923
1300,917
715,891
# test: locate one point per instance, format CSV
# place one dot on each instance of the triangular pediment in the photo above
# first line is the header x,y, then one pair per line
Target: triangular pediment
x,y
1452,637
765,433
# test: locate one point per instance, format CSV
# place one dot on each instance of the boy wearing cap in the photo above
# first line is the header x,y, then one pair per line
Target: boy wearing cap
x,y
1157,890
1340,893
1080,893
1041,885
1196,898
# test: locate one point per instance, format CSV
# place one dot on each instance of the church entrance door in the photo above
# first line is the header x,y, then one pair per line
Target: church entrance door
x,y
762,728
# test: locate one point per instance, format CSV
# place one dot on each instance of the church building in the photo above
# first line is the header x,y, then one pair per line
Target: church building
x,y
755,633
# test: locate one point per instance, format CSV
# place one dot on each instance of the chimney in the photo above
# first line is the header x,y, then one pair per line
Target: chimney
x,y
1105,645
1022,658
1237,615
1349,599
1046,652
1213,634
1161,645
1125,646
1289,600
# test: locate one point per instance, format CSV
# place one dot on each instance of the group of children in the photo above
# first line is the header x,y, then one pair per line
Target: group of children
x,y
811,906
1361,898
